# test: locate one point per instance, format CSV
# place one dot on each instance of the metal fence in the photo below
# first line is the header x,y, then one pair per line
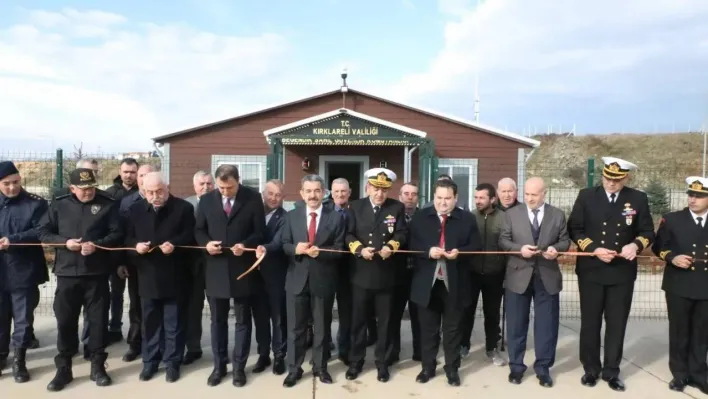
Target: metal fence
x,y
43,173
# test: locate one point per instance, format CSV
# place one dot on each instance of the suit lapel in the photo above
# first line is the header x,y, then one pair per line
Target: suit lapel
x,y
300,224
545,226
524,215
322,226
604,202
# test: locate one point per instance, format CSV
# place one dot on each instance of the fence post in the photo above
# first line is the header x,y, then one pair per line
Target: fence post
x,y
59,179
591,172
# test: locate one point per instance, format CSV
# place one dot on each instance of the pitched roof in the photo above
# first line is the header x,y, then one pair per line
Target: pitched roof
x,y
436,114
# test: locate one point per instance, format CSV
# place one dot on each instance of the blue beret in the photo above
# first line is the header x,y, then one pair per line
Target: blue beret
x,y
7,168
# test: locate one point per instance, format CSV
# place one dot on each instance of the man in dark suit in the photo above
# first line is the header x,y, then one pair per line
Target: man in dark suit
x,y
229,220
376,228
680,237
311,278
341,192
271,307
533,228
441,280
408,196
157,225
613,222
203,183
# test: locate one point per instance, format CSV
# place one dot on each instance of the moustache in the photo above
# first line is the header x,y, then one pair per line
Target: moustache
x,y
312,199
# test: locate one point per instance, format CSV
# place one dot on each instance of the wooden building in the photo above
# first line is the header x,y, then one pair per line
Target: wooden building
x,y
342,133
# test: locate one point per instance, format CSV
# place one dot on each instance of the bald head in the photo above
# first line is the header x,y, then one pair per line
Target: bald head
x,y
534,192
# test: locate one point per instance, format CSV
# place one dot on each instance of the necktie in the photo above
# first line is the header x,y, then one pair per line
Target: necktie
x,y
227,207
612,198
535,227
699,221
312,228
376,210
442,239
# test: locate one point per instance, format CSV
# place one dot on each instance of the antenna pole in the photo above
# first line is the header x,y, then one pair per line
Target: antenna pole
x,y
476,75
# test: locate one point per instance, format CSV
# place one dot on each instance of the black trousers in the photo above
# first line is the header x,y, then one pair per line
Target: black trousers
x,y
688,337
344,311
491,287
193,310
270,310
17,307
362,301
440,310
133,339
301,308
163,331
71,294
615,303
243,308
401,295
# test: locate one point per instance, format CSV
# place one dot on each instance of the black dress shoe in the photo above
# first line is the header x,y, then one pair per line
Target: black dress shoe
x,y
515,378
677,385
147,373
588,380
239,378
615,384
63,377
172,374
292,378
131,355
453,378
216,376
425,376
352,373
191,357
278,366
545,380
324,376
262,363
383,375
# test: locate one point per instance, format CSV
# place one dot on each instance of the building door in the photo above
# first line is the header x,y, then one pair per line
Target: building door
x,y
351,168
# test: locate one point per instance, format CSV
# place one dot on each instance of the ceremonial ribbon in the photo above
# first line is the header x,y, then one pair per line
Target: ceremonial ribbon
x,y
259,259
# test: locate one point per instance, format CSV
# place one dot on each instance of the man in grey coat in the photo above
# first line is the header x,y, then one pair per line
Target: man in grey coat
x,y
538,231
203,183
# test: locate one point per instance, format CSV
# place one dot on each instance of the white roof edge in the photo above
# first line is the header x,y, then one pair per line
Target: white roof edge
x,y
415,132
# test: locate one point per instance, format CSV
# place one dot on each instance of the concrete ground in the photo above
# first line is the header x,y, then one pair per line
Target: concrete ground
x,y
645,371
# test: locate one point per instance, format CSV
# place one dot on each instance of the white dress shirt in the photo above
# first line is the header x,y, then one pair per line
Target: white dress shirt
x,y
308,211
540,214
609,196
270,215
224,199
703,216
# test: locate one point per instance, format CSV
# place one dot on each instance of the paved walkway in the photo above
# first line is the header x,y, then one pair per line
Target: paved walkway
x,y
645,372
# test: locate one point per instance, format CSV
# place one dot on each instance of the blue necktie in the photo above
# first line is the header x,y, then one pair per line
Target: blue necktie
x,y
535,228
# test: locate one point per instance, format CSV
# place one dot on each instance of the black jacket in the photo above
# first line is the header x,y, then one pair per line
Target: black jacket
x,y
275,264
96,221
118,191
364,230
678,234
595,223
160,275
22,267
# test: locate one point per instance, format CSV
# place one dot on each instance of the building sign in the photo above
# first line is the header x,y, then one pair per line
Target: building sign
x,y
344,127
289,140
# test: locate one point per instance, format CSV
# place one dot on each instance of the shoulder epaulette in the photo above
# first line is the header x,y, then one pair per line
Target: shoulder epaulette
x,y
34,196
67,195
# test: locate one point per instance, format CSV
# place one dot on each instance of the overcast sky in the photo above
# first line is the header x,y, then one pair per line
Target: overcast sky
x,y
115,74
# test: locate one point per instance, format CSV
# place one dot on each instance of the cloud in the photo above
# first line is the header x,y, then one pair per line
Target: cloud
x,y
102,79
542,53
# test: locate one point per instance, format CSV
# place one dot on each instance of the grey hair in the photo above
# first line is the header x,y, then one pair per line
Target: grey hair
x,y
199,174
507,180
157,177
341,180
277,182
316,178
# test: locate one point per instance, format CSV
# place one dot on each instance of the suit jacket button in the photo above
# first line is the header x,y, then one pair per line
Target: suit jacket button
x,y
369,242
371,234
604,223
602,242
693,268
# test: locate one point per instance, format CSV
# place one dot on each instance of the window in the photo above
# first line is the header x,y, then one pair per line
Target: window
x,y
464,174
251,168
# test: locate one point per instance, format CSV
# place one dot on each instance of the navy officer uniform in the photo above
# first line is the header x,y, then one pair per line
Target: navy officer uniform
x,y
682,242
604,220
83,217
373,222
22,268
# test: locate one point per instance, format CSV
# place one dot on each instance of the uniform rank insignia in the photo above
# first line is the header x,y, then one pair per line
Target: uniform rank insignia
x,y
628,213
95,209
390,222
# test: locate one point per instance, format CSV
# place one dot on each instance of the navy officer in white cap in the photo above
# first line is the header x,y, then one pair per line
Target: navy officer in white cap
x,y
376,228
682,242
613,222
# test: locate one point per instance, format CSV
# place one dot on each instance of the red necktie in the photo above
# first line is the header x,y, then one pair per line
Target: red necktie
x,y
227,207
313,228
442,239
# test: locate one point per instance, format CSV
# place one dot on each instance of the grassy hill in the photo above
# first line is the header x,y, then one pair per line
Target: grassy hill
x,y
669,158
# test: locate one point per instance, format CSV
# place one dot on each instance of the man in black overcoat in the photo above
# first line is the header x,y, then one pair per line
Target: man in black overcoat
x,y
229,221
156,226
